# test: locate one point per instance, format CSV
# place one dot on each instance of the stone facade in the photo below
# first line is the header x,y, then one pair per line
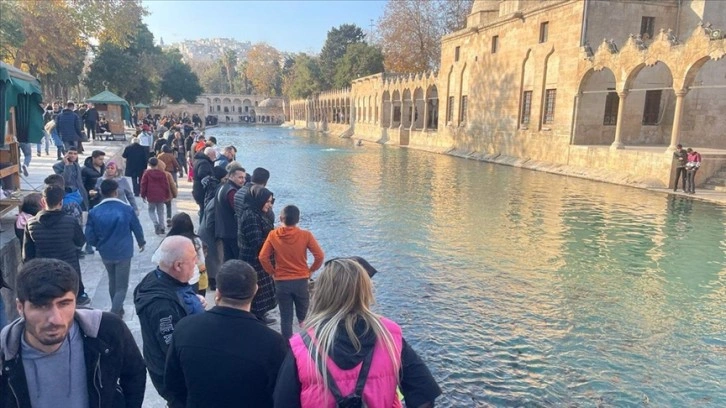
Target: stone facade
x,y
175,108
536,82
228,108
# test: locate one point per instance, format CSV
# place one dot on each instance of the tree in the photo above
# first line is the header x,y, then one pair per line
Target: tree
x,y
263,69
229,63
411,31
51,38
114,68
359,60
179,82
336,44
304,78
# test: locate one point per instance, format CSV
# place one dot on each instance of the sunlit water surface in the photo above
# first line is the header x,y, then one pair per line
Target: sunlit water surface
x,y
518,288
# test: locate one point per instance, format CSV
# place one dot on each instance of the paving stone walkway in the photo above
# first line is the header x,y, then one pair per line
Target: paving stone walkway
x,y
94,273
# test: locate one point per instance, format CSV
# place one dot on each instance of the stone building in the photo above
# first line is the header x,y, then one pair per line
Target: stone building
x,y
228,108
601,89
270,111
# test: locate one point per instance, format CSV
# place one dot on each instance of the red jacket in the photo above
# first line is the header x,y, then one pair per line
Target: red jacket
x,y
155,186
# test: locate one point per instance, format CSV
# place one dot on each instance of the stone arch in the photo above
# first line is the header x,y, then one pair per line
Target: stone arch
x,y
526,90
463,94
649,106
543,91
396,108
634,72
226,101
597,108
703,118
449,115
419,107
386,106
432,107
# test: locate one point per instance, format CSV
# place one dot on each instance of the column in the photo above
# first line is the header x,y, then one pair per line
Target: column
x,y
677,115
426,114
390,122
618,144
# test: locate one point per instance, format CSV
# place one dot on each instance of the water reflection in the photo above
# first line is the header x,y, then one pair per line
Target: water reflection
x,y
519,288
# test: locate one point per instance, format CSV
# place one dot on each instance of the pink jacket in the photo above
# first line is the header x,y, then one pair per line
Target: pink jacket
x,y
380,387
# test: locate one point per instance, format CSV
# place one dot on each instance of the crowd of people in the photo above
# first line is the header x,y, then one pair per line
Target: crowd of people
x,y
59,352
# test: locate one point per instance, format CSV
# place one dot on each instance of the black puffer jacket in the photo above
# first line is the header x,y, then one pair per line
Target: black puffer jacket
x,y
202,168
90,174
53,234
115,370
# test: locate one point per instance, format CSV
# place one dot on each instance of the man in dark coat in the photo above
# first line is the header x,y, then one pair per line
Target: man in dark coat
x,y
162,298
203,163
93,169
72,357
225,349
90,119
69,127
225,223
55,234
136,157
72,175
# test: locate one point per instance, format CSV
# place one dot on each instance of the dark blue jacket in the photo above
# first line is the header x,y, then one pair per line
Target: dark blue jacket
x,y
69,126
109,229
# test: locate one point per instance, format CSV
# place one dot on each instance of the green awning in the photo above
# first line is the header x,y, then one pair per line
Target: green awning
x,y
21,91
142,105
109,98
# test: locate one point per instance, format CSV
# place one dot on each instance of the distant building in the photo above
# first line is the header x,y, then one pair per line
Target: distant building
x,y
229,108
210,49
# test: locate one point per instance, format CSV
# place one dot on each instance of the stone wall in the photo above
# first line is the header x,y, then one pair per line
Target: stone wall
x,y
516,51
178,109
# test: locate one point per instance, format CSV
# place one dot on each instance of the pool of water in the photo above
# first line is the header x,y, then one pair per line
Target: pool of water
x,y
518,288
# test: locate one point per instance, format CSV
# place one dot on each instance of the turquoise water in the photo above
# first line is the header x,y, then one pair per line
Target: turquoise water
x,y
518,288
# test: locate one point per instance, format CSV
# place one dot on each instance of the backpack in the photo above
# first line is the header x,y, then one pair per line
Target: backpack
x,y
354,400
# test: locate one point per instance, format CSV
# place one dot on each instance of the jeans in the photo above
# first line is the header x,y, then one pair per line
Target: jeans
x,y
691,181
46,139
168,209
118,282
27,153
291,292
680,173
182,159
156,213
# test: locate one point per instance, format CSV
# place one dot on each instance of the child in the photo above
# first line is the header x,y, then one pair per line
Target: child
x,y
30,207
289,245
156,191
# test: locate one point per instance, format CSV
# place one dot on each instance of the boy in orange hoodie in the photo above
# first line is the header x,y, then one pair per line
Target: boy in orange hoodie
x,y
289,245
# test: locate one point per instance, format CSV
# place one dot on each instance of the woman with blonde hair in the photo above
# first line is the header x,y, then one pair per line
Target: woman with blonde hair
x,y
349,356
125,192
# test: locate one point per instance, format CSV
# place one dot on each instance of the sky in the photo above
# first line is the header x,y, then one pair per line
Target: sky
x,y
291,26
